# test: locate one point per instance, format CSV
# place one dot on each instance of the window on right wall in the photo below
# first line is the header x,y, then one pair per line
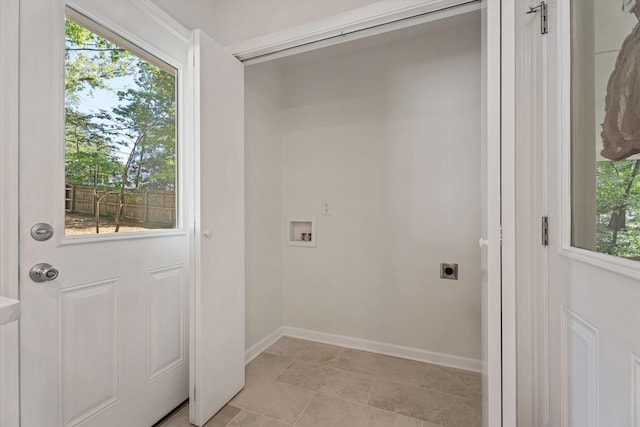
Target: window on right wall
x,y
605,126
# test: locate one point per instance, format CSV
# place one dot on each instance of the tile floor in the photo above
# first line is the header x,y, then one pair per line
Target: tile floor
x,y
308,384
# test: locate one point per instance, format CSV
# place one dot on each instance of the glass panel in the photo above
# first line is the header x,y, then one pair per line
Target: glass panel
x,y
120,134
605,140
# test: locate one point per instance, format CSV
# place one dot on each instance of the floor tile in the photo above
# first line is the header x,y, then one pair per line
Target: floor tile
x,y
329,380
453,381
251,419
386,367
304,351
318,385
277,400
427,405
223,417
267,366
326,411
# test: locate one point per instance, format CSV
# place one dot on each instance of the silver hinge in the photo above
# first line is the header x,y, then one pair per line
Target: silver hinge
x,y
545,231
544,17
500,235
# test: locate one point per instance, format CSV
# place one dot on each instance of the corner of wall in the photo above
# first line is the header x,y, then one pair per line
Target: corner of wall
x,y
263,205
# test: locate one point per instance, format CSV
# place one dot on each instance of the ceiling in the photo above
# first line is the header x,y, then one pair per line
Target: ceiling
x,y
347,47
233,21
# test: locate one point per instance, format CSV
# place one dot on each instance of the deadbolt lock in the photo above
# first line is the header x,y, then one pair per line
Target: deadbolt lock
x,y
41,231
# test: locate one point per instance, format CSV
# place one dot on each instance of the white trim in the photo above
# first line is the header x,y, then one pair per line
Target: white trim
x,y
508,202
266,342
163,19
195,275
492,282
531,256
613,264
404,352
348,25
9,217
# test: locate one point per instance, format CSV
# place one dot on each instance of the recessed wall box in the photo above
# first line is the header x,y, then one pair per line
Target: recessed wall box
x,y
302,232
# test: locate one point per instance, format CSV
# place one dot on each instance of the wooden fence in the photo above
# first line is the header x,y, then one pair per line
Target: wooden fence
x,y
150,207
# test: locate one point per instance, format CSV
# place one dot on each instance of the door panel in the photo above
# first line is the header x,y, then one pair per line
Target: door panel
x,y
218,300
103,344
593,298
89,339
166,307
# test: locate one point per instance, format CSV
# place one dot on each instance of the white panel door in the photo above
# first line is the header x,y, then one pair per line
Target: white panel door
x,y
492,397
217,361
594,299
105,343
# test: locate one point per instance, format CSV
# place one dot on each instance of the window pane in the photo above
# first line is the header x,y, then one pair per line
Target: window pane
x,y
605,86
120,134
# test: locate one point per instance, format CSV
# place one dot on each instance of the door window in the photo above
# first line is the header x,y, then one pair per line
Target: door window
x,y
120,133
605,128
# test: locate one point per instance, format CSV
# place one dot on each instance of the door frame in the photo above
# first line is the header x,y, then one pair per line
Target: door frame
x,y
9,334
531,286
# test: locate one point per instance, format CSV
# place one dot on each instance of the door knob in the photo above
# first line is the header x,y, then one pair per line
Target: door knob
x,y
43,272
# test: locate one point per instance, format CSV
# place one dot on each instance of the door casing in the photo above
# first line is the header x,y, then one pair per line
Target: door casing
x,y
9,339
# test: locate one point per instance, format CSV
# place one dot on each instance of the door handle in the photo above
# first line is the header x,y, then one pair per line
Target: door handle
x,y
43,272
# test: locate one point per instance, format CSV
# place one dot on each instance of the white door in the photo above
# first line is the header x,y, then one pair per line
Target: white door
x,y
494,402
217,327
104,343
594,298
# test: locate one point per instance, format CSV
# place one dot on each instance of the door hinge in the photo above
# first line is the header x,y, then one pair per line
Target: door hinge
x,y
544,17
545,231
501,235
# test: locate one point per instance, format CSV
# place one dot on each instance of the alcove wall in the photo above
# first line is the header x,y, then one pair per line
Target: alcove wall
x,y
388,136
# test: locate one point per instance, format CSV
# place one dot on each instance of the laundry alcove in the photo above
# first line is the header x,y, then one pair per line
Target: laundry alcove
x,y
379,140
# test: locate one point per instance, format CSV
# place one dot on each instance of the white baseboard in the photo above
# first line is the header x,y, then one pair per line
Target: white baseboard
x,y
262,345
420,355
410,353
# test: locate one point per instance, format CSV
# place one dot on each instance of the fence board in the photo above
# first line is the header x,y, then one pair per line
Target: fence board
x,y
145,206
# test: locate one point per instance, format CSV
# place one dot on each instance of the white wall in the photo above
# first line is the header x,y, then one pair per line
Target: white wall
x,y
263,189
390,137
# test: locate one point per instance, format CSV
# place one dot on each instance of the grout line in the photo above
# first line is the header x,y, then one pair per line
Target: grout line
x,y
234,417
263,415
375,380
315,393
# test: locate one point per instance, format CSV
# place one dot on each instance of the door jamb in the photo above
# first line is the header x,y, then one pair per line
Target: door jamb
x,y
9,333
508,211
530,203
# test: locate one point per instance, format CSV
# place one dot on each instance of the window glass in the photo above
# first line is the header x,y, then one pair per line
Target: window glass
x,y
120,134
605,129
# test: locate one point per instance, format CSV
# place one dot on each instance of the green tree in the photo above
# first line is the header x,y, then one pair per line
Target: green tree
x,y
618,208
133,144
